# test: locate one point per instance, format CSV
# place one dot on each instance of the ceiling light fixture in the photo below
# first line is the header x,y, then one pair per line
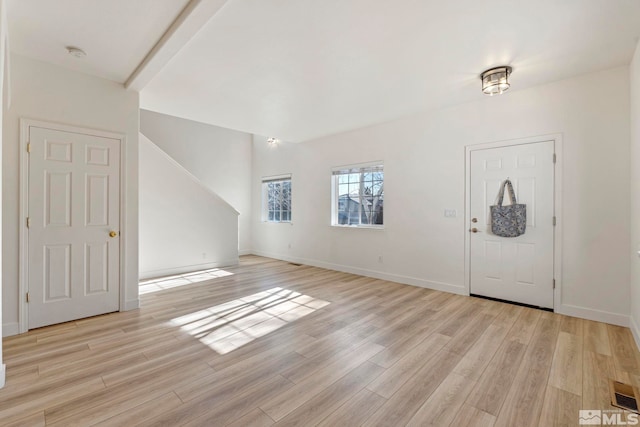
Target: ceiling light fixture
x,y
76,52
272,141
496,80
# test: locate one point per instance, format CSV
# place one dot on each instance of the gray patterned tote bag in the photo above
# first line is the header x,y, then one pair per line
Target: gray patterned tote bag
x,y
511,220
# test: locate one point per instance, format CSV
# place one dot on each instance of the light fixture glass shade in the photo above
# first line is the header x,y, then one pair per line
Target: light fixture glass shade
x,y
272,141
496,80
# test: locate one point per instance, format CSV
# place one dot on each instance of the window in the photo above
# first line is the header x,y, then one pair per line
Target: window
x,y
276,199
358,195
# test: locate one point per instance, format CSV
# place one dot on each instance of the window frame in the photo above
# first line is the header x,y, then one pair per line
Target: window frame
x,y
265,198
360,168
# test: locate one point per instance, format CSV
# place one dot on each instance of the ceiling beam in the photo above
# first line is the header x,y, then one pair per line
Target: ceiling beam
x,y
192,18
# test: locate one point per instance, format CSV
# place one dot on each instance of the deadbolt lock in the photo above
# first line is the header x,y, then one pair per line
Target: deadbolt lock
x,y
474,219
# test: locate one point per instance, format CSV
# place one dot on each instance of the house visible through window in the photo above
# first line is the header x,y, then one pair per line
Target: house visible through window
x,y
276,199
358,195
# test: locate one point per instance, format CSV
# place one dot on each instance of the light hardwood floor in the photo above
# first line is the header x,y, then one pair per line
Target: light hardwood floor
x,y
279,344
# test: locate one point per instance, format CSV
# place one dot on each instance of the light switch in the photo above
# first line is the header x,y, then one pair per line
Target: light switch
x,y
450,213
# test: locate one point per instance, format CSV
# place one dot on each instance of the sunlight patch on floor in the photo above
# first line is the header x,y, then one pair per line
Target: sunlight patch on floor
x,y
230,325
160,284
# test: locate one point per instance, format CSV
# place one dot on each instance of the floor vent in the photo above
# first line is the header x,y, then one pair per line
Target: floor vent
x,y
624,396
296,264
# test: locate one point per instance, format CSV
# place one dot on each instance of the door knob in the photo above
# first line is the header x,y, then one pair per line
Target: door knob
x,y
474,230
113,233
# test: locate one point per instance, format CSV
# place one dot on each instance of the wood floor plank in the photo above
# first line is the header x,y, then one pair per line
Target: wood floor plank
x,y
240,376
304,391
442,406
355,411
255,418
100,405
34,420
623,349
596,337
397,350
308,366
37,398
480,354
560,408
241,405
271,342
526,396
332,397
469,334
524,326
469,416
597,370
401,407
566,368
398,374
139,413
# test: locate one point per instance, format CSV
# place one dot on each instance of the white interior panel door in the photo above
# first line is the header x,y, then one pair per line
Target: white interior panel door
x,y
518,269
74,221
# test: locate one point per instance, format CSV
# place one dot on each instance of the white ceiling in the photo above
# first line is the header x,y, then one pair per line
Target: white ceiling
x,y
300,69
115,34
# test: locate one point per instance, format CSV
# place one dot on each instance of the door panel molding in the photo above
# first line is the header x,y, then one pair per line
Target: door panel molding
x,y
23,254
557,203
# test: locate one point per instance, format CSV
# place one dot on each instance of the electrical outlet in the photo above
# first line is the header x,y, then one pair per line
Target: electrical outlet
x,y
204,255
450,213
380,259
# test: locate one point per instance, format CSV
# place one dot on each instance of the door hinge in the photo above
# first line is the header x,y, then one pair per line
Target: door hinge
x,y
554,157
28,222
28,297
554,283
554,221
28,147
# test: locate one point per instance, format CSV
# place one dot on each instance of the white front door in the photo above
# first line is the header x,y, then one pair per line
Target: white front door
x,y
73,205
518,269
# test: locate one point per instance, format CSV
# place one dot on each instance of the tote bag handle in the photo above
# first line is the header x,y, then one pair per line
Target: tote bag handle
x,y
512,194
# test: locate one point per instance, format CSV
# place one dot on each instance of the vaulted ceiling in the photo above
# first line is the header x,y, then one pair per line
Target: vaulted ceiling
x,y
302,69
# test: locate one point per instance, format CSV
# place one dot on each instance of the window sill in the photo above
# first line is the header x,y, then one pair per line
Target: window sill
x,y
365,227
278,222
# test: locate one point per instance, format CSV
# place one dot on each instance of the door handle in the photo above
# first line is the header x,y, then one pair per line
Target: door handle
x,y
113,233
474,230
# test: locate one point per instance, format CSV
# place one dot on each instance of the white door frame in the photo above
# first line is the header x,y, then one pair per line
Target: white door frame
x,y
557,208
23,252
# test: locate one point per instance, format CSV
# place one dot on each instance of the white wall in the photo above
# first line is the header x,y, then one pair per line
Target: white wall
x,y
3,62
50,93
634,157
425,173
220,158
183,225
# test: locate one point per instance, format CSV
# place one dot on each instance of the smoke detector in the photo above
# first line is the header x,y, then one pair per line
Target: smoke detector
x,y
76,52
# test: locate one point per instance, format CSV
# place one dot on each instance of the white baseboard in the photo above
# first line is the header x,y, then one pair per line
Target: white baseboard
x,y
635,331
569,310
245,252
408,280
593,314
3,370
131,305
10,329
186,269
